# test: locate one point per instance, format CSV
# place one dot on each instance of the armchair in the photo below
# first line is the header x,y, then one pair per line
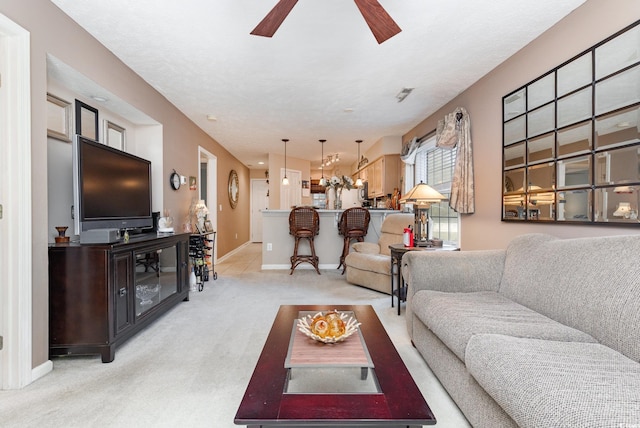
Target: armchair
x,y
369,264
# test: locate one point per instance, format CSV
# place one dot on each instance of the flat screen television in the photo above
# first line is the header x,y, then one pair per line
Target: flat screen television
x,y
111,188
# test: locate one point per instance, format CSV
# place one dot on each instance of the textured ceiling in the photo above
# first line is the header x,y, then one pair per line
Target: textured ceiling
x,y
322,62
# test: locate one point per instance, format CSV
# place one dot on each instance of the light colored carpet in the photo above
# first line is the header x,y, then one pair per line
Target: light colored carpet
x,y
191,367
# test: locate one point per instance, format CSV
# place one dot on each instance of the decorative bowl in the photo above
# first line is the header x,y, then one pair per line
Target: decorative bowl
x,y
147,292
328,327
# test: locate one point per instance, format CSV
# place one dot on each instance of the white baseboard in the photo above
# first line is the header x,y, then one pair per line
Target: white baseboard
x,y
41,370
232,252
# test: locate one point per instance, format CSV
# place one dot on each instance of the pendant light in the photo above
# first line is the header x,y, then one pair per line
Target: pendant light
x,y
359,180
285,180
323,182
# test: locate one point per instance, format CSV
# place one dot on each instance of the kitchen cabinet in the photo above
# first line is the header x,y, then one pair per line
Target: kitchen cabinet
x,y
382,175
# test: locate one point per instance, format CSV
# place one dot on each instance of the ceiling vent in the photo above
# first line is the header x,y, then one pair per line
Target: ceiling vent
x,y
404,93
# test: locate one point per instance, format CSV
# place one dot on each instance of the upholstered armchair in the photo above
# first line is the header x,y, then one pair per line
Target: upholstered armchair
x,y
369,264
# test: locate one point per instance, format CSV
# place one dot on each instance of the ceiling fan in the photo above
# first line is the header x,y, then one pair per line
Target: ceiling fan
x,y
381,24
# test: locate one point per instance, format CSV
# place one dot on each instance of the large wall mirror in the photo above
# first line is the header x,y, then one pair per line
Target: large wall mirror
x,y
571,139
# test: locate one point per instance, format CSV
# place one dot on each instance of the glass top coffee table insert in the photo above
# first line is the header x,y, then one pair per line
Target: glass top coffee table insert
x,y
286,391
331,368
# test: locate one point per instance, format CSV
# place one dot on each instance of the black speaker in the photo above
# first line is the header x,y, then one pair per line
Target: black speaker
x,y
156,216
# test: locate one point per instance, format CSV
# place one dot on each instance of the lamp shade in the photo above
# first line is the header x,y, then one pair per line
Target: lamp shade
x,y
623,210
422,194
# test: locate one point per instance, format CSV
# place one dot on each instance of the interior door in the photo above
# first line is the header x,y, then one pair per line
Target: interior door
x,y
259,203
290,195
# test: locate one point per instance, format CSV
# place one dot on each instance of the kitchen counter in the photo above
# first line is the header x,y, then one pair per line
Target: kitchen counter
x,y
277,244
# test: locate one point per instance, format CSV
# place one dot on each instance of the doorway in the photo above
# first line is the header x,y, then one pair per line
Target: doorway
x,y
259,203
207,185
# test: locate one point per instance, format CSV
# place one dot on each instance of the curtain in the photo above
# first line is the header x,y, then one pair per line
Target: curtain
x,y
409,151
454,132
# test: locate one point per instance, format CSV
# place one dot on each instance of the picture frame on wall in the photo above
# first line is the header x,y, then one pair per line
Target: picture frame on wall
x,y
114,135
58,118
86,120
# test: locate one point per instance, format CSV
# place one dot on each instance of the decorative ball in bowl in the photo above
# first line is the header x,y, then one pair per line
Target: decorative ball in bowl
x,y
147,292
328,327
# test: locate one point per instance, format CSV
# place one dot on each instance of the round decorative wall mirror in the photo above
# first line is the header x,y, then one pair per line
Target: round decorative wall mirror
x,y
234,188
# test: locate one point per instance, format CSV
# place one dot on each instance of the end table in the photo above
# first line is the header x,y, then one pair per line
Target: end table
x,y
397,251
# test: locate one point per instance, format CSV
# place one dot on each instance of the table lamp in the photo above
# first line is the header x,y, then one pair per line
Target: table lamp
x,y
421,197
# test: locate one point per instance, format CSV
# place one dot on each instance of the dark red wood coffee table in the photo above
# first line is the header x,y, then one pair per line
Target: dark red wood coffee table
x,y
395,402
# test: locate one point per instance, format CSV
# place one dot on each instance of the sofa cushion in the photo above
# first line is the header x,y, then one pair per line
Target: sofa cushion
x,y
377,263
592,284
456,317
543,383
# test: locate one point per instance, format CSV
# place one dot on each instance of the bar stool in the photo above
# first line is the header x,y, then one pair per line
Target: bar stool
x,y
353,224
304,223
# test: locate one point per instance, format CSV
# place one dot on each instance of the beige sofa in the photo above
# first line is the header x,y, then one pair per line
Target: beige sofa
x,y
545,333
369,264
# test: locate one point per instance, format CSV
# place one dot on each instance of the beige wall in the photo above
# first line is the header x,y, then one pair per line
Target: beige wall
x,y
53,32
577,32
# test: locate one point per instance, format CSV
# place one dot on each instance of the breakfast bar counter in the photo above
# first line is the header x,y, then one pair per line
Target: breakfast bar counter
x,y
277,244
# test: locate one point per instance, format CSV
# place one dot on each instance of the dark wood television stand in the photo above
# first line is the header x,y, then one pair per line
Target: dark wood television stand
x,y
102,294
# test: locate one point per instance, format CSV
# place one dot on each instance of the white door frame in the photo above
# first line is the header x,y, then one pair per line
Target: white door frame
x,y
253,211
15,196
212,190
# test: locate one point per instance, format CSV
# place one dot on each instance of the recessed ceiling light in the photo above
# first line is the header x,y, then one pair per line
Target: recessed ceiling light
x,y
211,118
99,98
348,110
260,163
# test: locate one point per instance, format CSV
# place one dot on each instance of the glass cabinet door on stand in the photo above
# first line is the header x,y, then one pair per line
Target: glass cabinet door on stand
x,y
155,277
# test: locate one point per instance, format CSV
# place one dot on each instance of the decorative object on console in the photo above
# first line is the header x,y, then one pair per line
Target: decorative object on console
x,y
165,224
201,211
61,231
422,196
328,327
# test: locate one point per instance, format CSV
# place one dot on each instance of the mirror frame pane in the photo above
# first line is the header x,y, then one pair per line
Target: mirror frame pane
x,y
579,126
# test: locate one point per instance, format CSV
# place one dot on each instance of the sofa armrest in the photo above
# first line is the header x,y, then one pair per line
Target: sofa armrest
x,y
450,271
366,247
453,271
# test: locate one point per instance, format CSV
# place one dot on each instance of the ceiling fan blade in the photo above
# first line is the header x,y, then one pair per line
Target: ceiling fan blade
x,y
270,24
380,22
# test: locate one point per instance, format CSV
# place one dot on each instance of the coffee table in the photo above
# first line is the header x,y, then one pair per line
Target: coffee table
x,y
371,391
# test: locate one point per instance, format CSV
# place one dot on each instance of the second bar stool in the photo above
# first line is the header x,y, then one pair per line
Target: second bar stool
x,y
304,223
353,224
